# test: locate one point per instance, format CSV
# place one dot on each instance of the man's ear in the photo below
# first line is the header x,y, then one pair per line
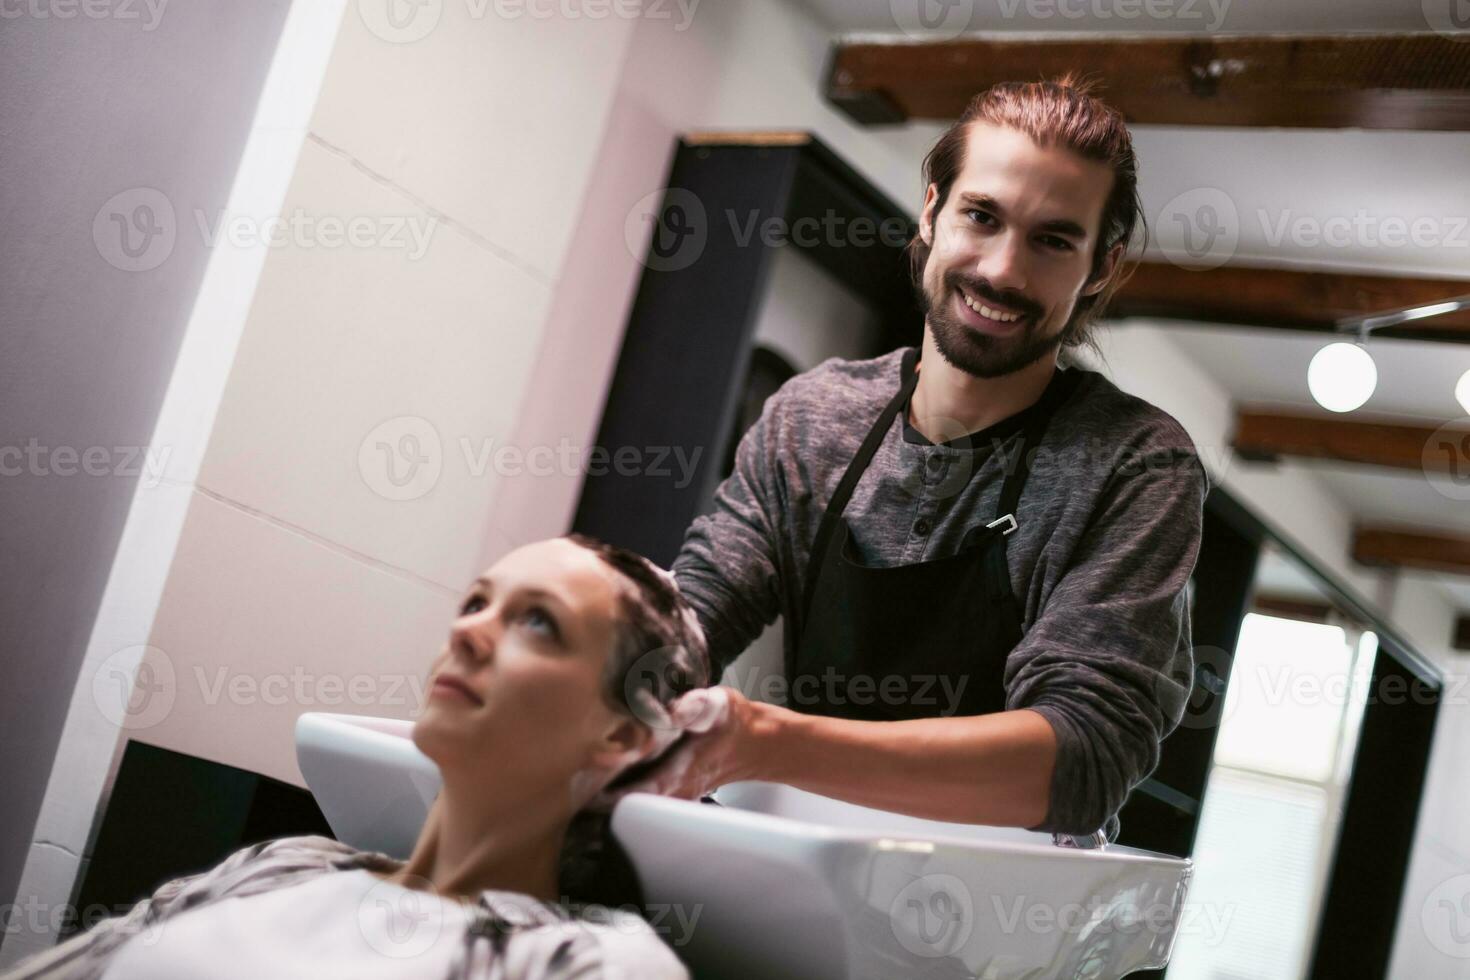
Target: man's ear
x,y
927,215
1109,266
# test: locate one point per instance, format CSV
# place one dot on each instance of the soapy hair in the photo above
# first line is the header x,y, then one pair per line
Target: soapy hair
x,y
659,653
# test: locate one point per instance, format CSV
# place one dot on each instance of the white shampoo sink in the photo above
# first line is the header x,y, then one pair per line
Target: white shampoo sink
x,y
779,883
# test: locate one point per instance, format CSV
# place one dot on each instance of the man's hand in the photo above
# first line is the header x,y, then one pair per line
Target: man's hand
x,y
718,747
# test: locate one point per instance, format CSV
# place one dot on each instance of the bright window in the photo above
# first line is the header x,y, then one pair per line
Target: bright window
x,y
1270,813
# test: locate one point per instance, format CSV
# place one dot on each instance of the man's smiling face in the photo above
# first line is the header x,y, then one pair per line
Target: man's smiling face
x,y
1010,250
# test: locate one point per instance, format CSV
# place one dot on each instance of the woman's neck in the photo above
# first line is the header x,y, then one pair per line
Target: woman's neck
x,y
471,843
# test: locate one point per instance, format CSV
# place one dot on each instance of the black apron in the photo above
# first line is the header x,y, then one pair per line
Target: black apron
x,y
919,640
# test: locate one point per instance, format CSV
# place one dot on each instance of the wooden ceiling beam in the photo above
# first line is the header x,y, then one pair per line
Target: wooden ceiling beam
x,y
1292,299
1391,547
1272,435
1418,81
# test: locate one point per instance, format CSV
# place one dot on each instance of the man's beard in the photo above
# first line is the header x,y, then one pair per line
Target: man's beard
x,y
977,353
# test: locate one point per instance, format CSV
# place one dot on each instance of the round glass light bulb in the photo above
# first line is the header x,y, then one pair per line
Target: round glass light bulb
x,y
1342,377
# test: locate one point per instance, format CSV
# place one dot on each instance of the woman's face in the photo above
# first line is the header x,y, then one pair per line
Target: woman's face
x,y
516,693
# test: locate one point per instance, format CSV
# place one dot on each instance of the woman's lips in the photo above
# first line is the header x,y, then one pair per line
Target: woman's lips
x,y
445,685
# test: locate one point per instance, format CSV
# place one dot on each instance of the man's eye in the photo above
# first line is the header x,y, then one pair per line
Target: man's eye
x,y
472,605
975,215
1056,242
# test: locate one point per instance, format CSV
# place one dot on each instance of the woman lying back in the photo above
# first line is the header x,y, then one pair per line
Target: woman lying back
x,y
556,678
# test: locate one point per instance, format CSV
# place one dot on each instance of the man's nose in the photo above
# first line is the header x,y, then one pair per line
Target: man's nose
x,y
1002,262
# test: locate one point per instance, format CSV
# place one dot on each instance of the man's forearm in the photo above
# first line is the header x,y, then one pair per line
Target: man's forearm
x,y
992,769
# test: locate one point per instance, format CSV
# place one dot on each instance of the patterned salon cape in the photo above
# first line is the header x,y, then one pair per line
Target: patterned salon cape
x,y
509,936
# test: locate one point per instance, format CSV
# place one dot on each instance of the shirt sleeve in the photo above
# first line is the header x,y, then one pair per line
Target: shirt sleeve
x,y
1108,660
87,956
728,565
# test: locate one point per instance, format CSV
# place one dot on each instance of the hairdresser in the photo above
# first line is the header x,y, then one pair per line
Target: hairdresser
x,y
979,548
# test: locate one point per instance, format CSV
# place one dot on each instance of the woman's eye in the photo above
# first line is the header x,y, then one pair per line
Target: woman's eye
x,y
541,620
472,605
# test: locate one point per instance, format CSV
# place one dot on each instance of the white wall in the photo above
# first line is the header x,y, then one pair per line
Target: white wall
x,y
1439,869
94,108
504,331
755,64
528,146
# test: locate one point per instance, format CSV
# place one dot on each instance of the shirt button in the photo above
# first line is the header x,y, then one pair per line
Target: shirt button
x,y
922,526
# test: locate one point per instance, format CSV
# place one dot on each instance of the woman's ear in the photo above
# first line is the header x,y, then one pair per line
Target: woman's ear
x,y
623,743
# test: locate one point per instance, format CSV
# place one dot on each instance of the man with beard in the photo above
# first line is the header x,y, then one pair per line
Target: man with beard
x,y
981,556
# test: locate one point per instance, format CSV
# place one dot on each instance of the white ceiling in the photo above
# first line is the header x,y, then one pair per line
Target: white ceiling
x,y
1117,16
1458,588
1268,368
1273,188
1416,380
1278,575
1270,178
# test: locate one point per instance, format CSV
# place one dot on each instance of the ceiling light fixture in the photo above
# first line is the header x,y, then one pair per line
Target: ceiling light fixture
x,y
1342,375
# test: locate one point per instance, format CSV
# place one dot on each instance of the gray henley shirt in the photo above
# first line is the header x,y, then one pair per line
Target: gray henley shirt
x,y
1108,533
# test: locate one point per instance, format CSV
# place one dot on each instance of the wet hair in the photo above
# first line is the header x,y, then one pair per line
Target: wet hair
x,y
1062,112
659,653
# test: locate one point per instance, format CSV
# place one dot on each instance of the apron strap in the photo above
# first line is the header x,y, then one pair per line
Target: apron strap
x,y
855,470
1056,392
1010,494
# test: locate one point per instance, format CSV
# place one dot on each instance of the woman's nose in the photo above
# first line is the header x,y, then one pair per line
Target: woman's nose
x,y
474,637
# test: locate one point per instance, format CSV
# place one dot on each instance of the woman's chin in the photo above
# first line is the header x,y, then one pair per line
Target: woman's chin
x,y
430,738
